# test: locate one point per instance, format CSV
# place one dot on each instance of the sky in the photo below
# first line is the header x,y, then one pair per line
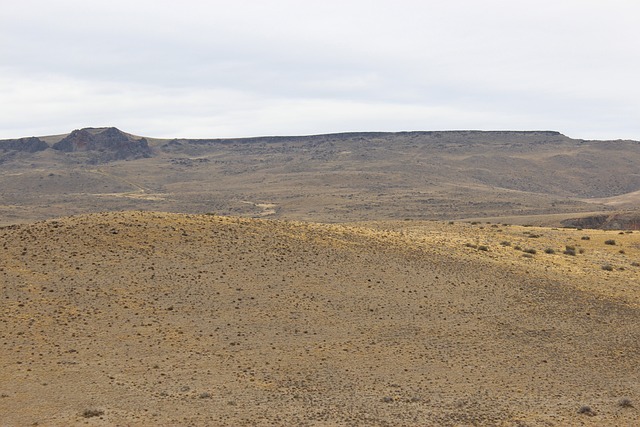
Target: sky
x,y
207,69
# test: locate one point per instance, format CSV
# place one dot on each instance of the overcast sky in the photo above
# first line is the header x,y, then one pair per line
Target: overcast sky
x,y
164,68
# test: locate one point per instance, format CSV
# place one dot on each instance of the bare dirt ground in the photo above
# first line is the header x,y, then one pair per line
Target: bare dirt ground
x,y
161,319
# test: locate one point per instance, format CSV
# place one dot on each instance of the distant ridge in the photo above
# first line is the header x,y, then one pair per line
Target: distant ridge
x,y
452,135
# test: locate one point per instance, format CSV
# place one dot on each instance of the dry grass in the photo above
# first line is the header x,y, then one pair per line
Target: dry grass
x,y
170,319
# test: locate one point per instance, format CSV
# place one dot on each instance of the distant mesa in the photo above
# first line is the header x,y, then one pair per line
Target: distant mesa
x,y
28,145
115,144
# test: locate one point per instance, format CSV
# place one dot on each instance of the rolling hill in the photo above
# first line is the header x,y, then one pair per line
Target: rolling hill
x,y
146,318
323,178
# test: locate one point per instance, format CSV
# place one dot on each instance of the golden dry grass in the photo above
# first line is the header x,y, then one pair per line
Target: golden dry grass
x,y
165,319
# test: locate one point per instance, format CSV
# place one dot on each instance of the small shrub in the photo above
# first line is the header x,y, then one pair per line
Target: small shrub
x,y
581,251
570,247
471,245
585,238
505,243
549,251
610,242
586,410
635,264
90,413
526,255
517,248
607,267
483,248
531,251
570,252
621,251
205,395
625,403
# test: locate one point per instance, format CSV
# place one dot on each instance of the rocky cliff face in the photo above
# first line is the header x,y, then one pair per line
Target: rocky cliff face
x,y
106,145
28,145
621,221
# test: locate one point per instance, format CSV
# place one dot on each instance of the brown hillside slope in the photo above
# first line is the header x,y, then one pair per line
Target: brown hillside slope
x,y
164,319
322,178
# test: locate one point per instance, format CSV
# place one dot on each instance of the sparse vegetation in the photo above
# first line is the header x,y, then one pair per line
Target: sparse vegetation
x,y
610,242
90,413
625,403
233,279
585,238
607,267
586,410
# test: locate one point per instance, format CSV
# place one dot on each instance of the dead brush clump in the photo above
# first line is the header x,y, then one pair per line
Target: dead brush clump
x,y
92,412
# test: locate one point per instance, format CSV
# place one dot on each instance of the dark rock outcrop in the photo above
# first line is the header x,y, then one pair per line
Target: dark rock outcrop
x,y
28,145
619,221
108,144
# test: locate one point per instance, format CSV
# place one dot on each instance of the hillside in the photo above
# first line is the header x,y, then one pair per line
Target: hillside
x,y
322,178
162,319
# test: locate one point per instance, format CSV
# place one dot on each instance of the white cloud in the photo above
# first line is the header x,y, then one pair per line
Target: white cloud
x,y
222,68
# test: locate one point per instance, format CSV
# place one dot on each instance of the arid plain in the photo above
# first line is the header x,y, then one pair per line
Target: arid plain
x,y
340,308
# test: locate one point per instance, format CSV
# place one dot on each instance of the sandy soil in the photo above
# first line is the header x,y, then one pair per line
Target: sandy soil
x,y
162,319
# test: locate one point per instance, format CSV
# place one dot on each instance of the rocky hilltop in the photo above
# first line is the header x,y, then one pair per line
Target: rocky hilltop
x,y
94,145
111,142
29,145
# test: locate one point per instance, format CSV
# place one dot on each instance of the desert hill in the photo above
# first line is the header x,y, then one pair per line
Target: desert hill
x,y
323,178
111,143
138,318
